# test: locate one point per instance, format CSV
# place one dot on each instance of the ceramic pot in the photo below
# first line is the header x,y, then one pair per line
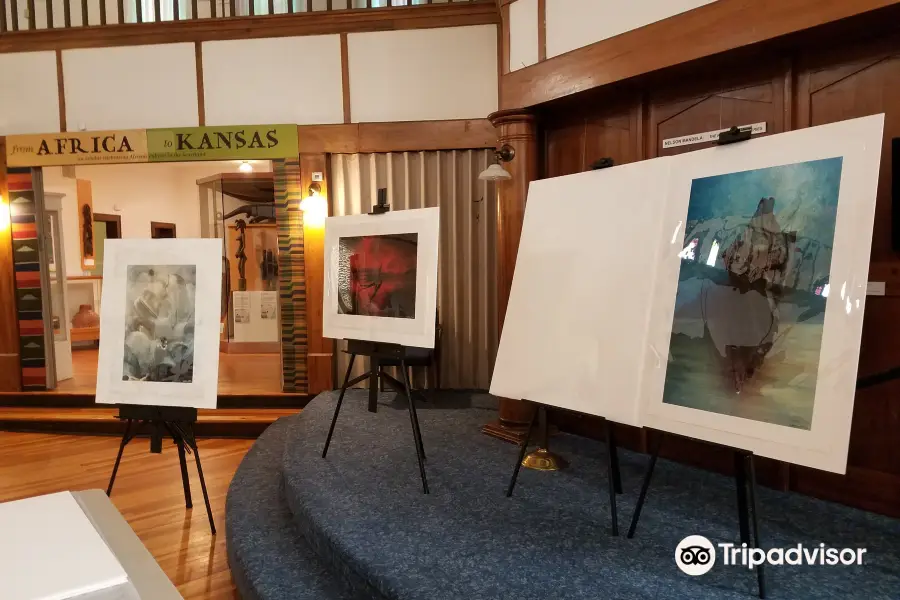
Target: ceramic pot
x,y
86,317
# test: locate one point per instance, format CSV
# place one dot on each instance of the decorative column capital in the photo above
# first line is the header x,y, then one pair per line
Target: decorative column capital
x,y
512,116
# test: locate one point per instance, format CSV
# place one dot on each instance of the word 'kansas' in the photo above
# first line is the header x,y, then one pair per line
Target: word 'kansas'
x,y
228,139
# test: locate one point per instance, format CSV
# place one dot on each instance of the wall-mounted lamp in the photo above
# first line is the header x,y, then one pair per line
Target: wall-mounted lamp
x,y
314,206
246,167
496,172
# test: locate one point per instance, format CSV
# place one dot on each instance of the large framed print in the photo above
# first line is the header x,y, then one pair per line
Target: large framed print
x,y
381,277
760,293
575,326
159,322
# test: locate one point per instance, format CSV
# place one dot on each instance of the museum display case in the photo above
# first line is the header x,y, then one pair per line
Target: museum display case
x,y
239,209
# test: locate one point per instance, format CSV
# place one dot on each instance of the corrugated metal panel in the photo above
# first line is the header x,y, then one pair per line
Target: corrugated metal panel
x,y
467,286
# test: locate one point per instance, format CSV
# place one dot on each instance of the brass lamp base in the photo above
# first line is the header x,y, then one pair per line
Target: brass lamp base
x,y
544,460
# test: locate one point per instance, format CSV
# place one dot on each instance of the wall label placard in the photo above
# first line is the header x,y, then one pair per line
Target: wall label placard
x,y
240,142
77,148
708,136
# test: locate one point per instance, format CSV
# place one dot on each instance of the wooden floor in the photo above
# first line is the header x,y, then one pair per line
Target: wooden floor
x,y
147,492
239,374
258,416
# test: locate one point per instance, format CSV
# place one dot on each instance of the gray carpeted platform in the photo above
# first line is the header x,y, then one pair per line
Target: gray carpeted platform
x,y
361,513
268,556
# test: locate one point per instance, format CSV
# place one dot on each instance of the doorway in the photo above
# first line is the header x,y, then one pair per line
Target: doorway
x,y
112,225
202,200
160,230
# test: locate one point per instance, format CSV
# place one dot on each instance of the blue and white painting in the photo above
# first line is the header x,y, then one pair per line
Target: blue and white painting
x,y
750,307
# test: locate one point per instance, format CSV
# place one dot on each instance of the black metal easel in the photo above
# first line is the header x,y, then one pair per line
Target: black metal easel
x,y
177,422
748,511
612,460
376,373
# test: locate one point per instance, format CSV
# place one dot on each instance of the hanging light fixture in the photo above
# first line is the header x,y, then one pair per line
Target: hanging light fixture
x,y
246,167
496,172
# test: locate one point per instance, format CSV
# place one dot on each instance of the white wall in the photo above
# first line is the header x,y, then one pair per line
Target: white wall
x,y
29,98
523,34
133,87
139,193
423,74
281,80
410,75
572,24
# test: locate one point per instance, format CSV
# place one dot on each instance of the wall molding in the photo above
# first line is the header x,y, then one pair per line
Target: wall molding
x,y
711,29
402,136
61,91
201,95
345,77
542,29
454,14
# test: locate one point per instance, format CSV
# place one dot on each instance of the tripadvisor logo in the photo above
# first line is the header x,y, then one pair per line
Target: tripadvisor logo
x,y
696,555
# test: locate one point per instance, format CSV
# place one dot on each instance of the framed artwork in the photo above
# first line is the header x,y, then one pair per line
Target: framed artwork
x,y
159,327
575,326
381,277
760,292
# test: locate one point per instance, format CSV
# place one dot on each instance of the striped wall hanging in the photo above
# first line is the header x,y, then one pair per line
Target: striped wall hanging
x,y
27,269
291,275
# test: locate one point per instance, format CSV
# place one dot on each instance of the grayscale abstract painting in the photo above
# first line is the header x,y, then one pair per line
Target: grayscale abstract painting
x,y
159,323
754,279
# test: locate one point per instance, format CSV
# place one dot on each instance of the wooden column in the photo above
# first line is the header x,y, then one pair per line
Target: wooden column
x,y
10,372
516,129
319,350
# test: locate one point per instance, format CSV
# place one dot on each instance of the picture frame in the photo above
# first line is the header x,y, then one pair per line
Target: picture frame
x,y
159,323
823,442
381,276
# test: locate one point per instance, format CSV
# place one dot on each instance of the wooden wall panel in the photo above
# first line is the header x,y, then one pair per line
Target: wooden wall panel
x,y
835,86
572,144
320,350
319,22
674,115
820,83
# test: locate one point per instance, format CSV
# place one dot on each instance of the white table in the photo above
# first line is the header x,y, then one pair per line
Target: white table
x,y
75,546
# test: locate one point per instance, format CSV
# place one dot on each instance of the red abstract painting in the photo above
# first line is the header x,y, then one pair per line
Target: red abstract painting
x,y
377,275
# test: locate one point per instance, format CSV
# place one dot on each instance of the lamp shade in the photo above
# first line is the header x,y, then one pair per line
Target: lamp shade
x,y
494,173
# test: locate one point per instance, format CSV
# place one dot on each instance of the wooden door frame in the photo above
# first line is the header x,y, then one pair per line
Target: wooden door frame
x,y
114,220
160,225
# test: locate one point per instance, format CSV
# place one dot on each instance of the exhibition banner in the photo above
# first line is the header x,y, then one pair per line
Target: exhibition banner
x,y
242,142
77,148
239,142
